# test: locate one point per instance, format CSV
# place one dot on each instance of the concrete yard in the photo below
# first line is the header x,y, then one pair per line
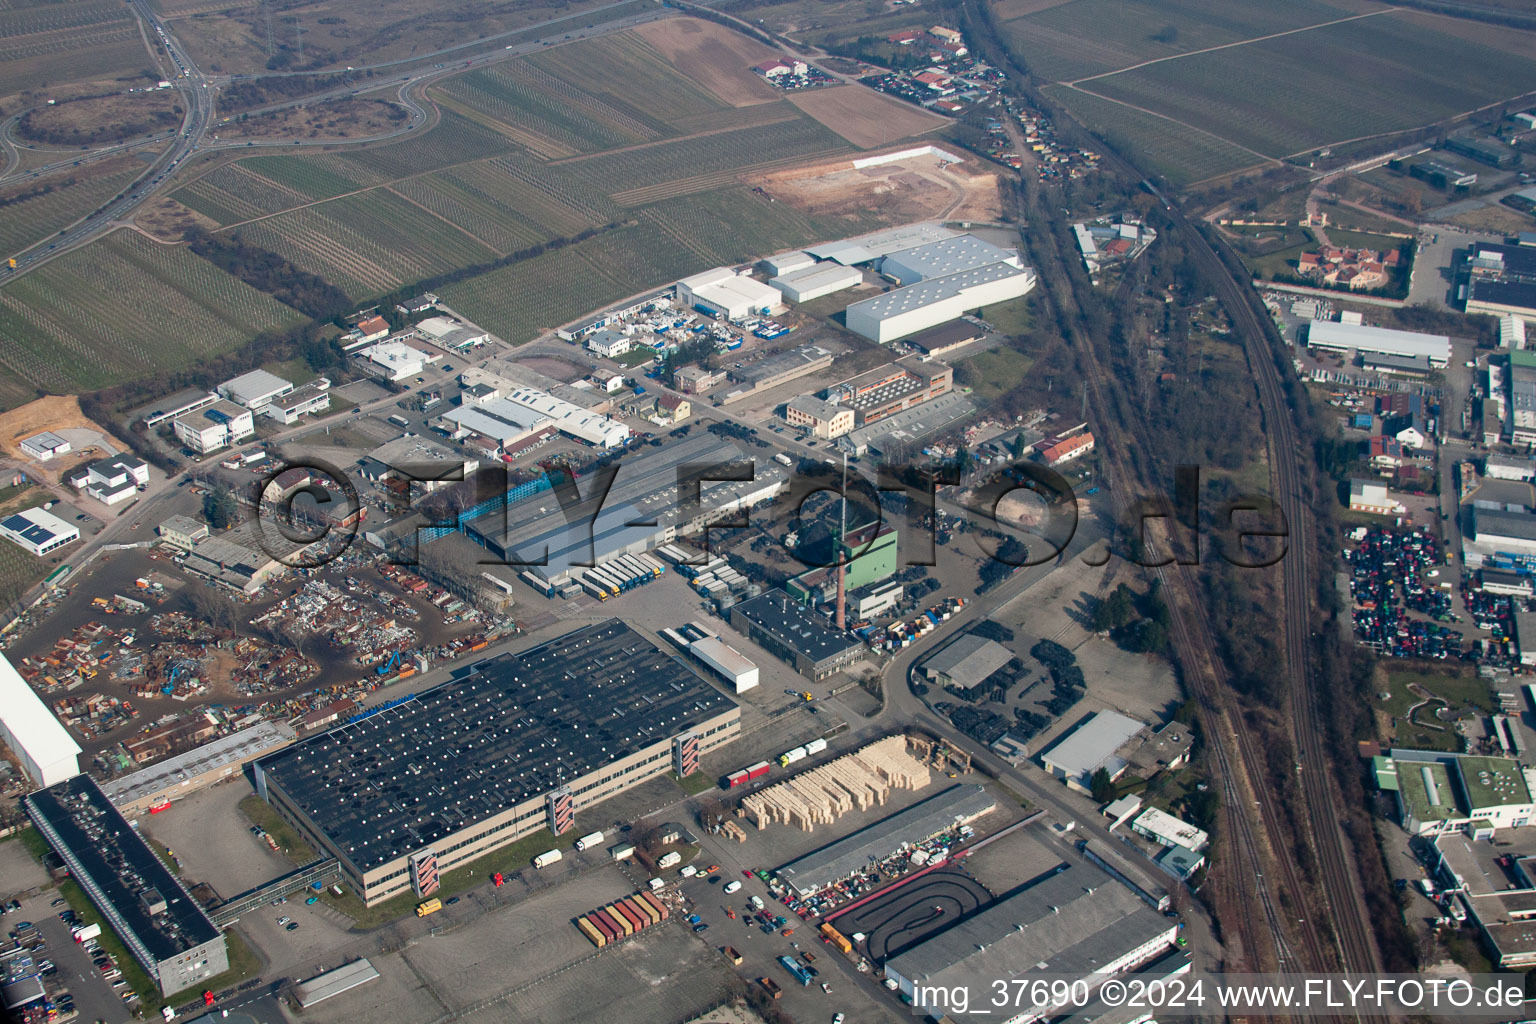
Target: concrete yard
x,y
213,840
529,958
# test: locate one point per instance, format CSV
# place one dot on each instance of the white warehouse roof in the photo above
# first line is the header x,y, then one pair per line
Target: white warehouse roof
x,y
1092,745
938,289
46,749
254,387
816,280
1169,829
946,256
1383,340
572,419
863,248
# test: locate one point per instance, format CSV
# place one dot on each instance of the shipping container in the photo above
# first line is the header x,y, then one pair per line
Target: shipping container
x,y
653,563
597,938
815,746
731,955
757,771
587,842
660,907
593,590
619,918
837,938
735,779
648,917
771,987
648,914
605,925
631,917
538,583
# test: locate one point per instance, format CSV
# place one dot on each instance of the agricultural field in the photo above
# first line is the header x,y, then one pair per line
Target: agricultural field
x,y
1177,152
520,301
233,38
369,243
1089,37
28,214
731,225
98,315
61,48
1374,62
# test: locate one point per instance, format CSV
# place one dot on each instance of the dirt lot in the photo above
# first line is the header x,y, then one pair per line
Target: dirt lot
x,y
713,56
168,220
339,119
58,413
864,117
910,189
102,119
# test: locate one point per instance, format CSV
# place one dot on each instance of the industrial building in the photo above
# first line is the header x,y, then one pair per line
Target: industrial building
x,y
596,429
944,257
731,664
1076,923
644,508
1502,298
215,426
1166,830
870,556
238,560
1498,891
1437,792
1092,746
508,424
428,465
163,927
1498,536
110,480
535,737
868,248
1331,336
904,431
1370,496
213,762
45,446
304,400
37,530
47,752
255,389
967,662
445,332
171,406
795,635
723,292
782,368
788,262
904,311
957,805
393,360
182,532
818,416
892,388
946,337
816,280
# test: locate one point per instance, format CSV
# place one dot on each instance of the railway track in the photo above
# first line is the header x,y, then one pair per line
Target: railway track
x,y
1335,935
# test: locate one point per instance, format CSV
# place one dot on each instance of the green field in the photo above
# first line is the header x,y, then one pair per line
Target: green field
x,y
369,243
1089,37
1338,82
122,308
1178,153
33,217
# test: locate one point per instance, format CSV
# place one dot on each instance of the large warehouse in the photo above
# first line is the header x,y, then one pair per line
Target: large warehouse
x,y
643,509
38,530
813,282
48,754
793,634
870,247
518,745
1075,924
723,292
904,311
1332,336
158,920
944,257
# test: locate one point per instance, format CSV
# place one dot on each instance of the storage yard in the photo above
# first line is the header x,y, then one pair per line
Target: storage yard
x,y
859,780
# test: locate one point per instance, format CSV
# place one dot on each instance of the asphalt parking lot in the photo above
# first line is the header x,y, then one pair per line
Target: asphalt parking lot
x,y
94,997
904,917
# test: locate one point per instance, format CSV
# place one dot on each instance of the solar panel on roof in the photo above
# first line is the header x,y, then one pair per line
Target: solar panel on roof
x,y
17,522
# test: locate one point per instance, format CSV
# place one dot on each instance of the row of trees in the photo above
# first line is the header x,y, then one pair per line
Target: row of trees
x,y
266,271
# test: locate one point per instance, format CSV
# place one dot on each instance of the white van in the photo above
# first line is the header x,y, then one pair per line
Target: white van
x,y
731,887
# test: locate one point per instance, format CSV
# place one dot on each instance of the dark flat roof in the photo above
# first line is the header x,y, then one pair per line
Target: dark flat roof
x,y
518,727
952,333
1504,293
797,628
122,866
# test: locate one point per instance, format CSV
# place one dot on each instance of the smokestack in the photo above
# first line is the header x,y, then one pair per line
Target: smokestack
x,y
842,563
